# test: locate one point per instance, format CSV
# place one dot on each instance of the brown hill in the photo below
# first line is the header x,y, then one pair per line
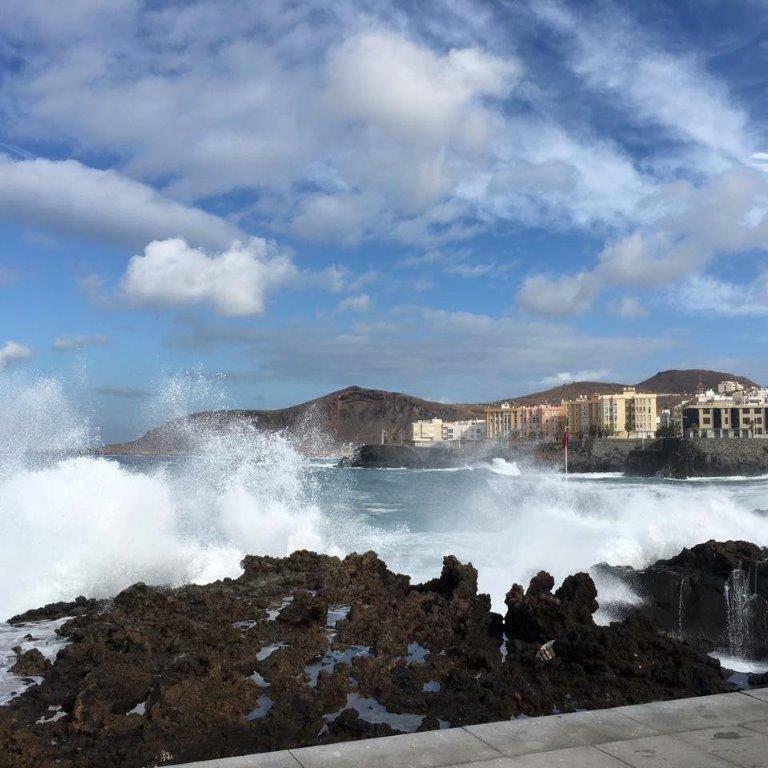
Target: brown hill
x,y
566,392
688,382
351,415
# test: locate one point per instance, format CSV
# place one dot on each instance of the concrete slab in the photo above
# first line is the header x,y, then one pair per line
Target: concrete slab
x,y
431,749
538,734
576,757
735,744
661,752
758,693
282,759
697,713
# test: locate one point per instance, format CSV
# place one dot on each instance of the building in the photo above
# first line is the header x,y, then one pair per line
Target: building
x,y
584,415
718,419
526,422
627,414
432,431
425,431
742,413
729,387
503,421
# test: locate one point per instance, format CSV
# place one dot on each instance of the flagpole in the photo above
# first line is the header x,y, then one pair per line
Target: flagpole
x,y
566,440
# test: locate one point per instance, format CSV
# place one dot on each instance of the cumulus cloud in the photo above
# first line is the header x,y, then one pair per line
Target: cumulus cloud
x,y
235,282
401,88
707,294
724,216
348,125
70,197
13,353
361,303
557,296
78,342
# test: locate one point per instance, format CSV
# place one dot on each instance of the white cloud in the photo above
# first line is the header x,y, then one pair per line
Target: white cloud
x,y
403,89
724,216
557,296
12,353
707,294
235,282
566,377
361,303
70,197
628,307
673,90
78,342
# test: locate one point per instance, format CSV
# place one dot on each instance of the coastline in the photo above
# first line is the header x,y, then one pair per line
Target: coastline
x,y
664,457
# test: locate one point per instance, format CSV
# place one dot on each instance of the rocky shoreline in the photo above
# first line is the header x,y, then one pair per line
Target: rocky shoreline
x,y
666,457
312,649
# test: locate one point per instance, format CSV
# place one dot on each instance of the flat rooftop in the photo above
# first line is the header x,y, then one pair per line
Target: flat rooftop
x,y
729,729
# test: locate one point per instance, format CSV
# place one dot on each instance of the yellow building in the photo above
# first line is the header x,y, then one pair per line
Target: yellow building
x,y
626,414
503,421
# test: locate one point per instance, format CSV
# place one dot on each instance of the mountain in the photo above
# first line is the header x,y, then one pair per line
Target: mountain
x,y
688,382
566,392
358,415
351,415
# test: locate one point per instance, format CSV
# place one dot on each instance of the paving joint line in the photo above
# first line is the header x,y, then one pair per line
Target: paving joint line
x,y
754,698
483,741
298,762
623,762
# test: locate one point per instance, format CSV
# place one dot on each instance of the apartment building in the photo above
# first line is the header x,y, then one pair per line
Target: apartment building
x,y
741,413
626,414
536,422
427,432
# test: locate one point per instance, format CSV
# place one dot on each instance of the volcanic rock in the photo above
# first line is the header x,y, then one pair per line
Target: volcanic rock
x,y
30,663
714,594
313,649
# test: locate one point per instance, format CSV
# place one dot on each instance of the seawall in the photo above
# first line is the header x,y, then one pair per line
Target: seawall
x,y
700,457
665,457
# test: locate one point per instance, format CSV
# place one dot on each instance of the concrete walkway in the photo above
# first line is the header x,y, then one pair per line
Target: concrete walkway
x,y
730,729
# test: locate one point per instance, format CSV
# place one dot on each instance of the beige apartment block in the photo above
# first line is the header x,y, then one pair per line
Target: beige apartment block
x,y
626,414
536,422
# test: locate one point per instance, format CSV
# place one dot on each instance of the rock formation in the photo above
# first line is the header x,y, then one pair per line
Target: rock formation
x,y
715,594
311,649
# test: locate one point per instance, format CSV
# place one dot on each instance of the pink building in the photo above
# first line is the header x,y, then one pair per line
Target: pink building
x,y
543,422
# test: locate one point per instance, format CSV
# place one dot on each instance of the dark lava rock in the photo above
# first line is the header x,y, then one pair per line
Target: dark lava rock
x,y
313,649
54,611
715,594
30,663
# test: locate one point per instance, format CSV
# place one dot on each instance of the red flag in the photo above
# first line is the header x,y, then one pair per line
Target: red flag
x,y
566,439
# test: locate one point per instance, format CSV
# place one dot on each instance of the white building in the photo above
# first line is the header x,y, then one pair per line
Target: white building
x,y
427,432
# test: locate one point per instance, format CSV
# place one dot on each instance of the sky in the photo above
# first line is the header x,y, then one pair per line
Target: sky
x,y
261,201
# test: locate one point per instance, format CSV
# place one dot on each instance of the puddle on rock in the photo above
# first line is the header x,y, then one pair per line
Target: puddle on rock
x,y
372,711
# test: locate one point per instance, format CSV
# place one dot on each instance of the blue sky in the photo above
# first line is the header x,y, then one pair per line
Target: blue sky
x,y
269,200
